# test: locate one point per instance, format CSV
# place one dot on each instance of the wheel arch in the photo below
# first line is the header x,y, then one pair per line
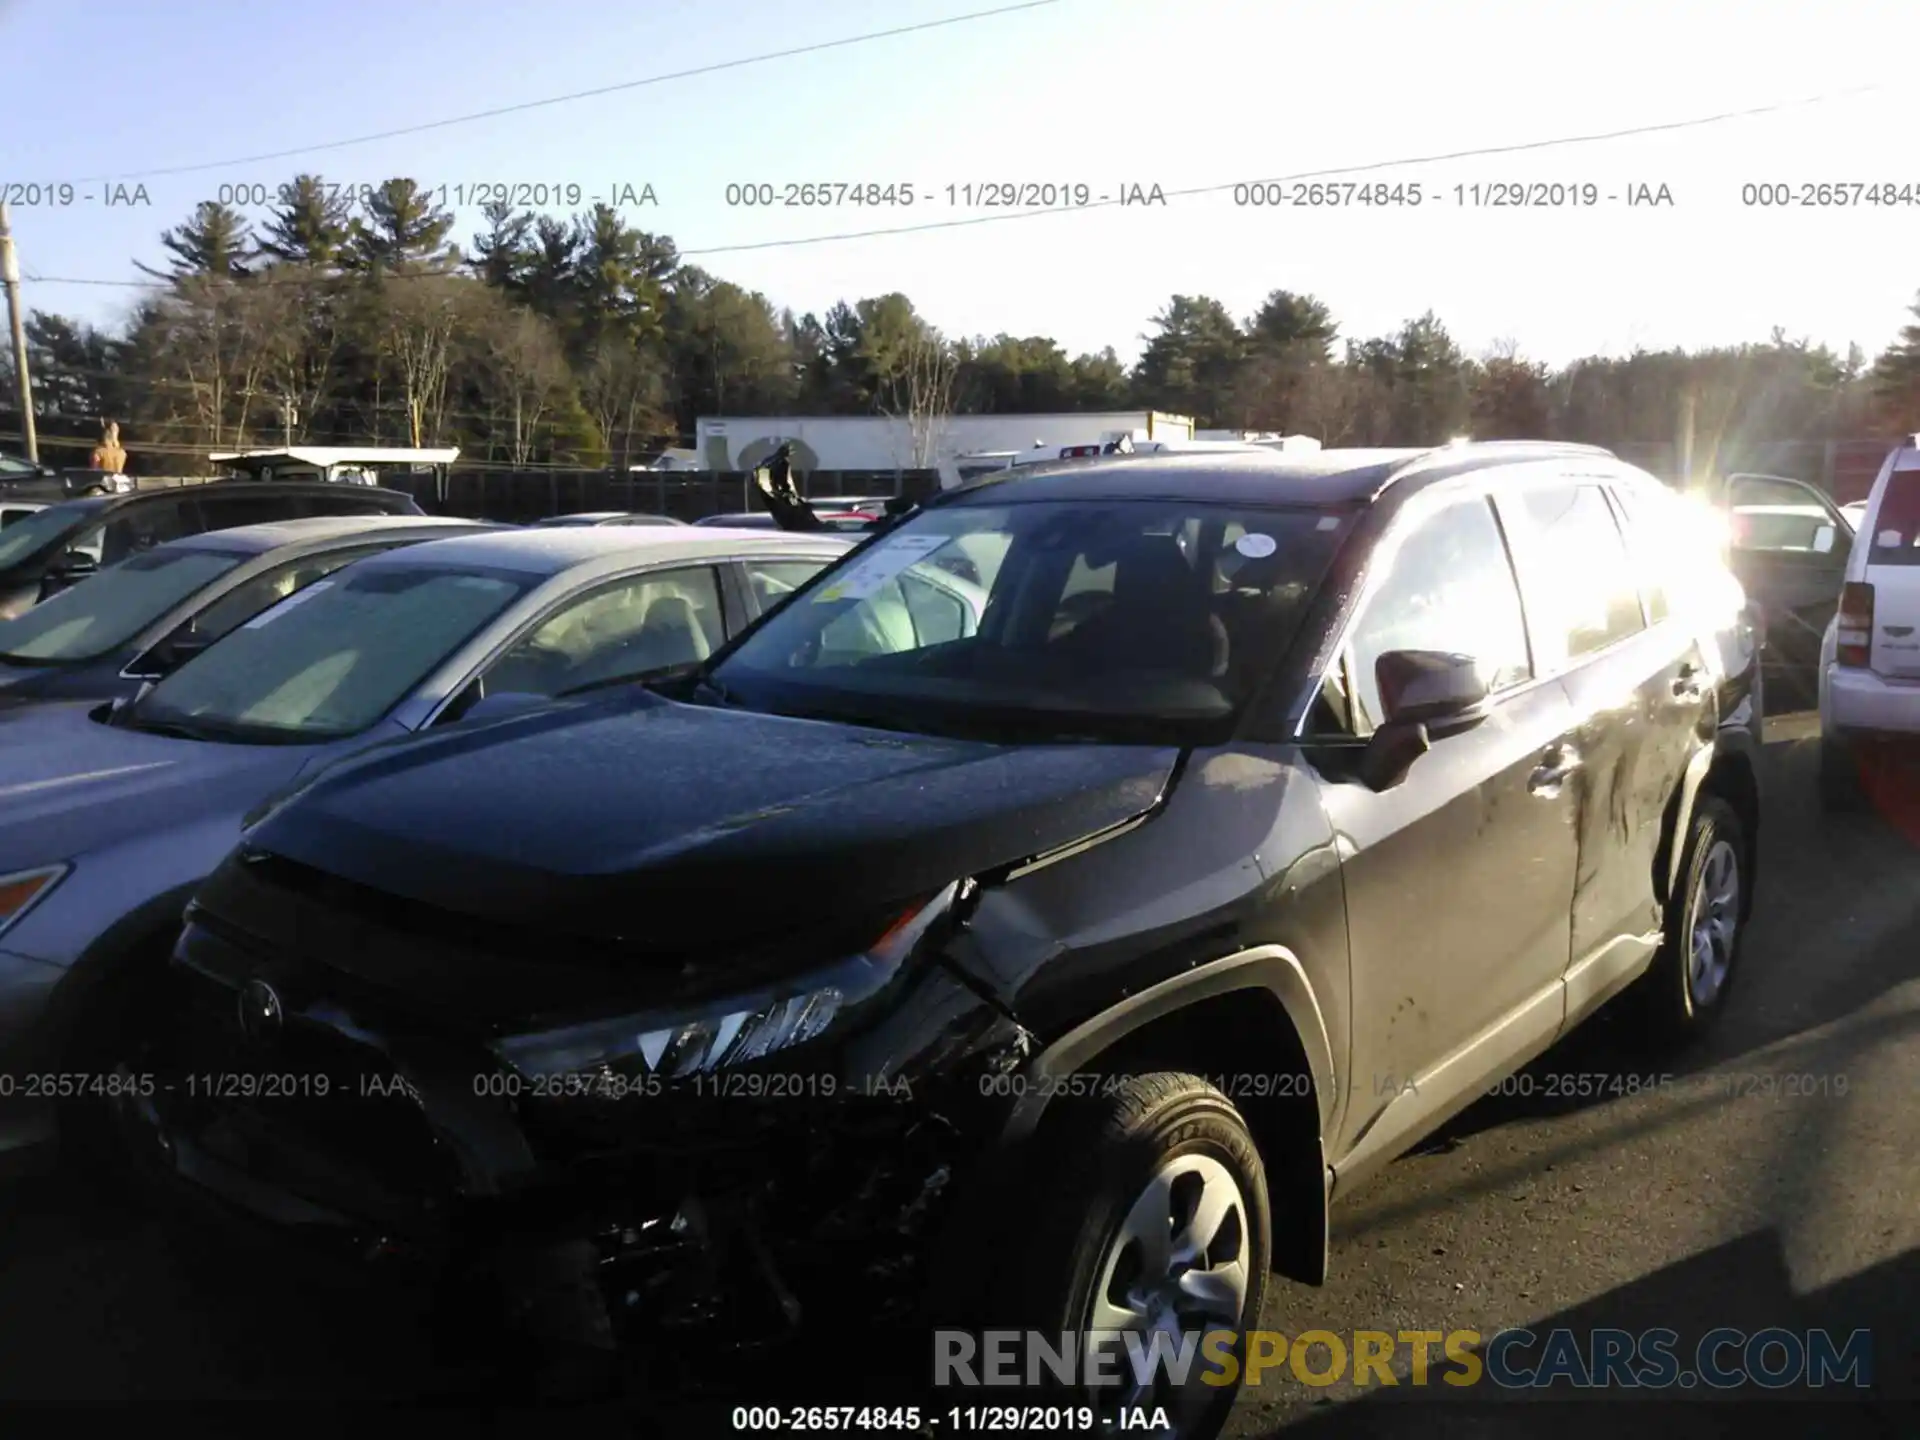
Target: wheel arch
x,y
1254,1014
136,935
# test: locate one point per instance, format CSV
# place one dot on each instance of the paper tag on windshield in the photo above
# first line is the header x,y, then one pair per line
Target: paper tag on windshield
x,y
298,597
870,576
1888,540
1256,547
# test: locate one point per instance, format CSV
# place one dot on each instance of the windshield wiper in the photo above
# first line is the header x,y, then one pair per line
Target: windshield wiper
x,y
36,661
177,729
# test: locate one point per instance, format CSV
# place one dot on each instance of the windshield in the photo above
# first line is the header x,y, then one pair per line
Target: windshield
x,y
112,607
1154,620
35,532
331,659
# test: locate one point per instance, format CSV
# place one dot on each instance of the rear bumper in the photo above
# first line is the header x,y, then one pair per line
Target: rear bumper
x,y
1861,704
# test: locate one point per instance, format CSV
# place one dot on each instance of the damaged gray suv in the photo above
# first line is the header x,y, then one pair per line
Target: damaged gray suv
x,y
1055,960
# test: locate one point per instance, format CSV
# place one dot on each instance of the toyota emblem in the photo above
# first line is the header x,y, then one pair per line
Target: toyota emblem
x,y
260,1012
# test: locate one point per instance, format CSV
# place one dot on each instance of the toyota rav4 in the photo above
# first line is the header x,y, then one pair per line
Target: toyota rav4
x,y
1064,957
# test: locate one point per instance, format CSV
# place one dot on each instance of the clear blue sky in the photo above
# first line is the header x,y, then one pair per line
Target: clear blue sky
x,y
1106,92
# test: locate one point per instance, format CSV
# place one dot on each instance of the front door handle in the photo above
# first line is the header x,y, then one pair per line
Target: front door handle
x,y
1552,773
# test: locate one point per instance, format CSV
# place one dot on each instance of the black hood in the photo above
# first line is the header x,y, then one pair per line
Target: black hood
x,y
654,826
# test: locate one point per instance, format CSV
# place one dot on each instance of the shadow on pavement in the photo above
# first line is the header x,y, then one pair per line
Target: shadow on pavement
x,y
1742,1285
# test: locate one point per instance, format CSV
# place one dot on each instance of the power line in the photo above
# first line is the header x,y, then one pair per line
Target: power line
x,y
525,105
1477,152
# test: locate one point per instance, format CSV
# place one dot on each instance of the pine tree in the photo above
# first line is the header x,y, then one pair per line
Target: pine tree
x,y
312,226
403,229
217,240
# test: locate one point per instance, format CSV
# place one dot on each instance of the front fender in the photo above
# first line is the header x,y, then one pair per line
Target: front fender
x,y
1272,968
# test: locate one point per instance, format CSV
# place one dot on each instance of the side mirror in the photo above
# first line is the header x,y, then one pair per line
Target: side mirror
x,y
1823,540
76,565
1429,687
1427,695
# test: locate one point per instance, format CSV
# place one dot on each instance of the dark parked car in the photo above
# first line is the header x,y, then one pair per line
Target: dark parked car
x,y
830,519
140,619
22,479
52,548
1273,808
608,517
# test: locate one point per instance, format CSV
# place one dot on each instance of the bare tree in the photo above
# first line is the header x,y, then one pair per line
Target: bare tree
x,y
622,390
920,390
420,319
527,369
299,339
208,332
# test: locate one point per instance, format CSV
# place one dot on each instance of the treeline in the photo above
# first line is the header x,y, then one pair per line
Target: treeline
x,y
584,341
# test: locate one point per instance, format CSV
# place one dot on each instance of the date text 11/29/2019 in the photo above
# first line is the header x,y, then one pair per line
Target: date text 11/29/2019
x,y
956,1419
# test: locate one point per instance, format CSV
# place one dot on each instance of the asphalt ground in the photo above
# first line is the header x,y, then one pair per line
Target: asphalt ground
x,y
1769,1178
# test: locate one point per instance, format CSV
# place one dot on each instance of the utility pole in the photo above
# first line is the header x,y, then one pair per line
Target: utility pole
x,y
10,271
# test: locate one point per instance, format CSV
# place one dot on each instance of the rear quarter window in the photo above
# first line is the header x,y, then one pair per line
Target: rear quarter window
x,y
1893,533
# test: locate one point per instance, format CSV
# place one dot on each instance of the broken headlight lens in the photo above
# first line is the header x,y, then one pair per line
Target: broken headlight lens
x,y
738,1031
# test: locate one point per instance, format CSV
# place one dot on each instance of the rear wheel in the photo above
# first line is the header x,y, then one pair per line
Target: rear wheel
x,y
1686,988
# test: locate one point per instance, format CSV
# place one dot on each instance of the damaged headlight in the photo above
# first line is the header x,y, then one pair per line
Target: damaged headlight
x,y
737,1031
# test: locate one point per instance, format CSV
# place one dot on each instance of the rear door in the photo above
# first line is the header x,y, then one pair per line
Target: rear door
x,y
1892,539
1602,621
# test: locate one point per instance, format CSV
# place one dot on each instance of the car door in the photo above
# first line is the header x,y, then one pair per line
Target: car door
x,y
1459,879
619,630
1788,545
1639,683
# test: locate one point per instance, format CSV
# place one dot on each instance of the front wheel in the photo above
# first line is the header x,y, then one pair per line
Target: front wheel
x,y
1686,988
1148,1233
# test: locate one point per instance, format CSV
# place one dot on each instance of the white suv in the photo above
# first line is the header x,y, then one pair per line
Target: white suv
x,y
1870,659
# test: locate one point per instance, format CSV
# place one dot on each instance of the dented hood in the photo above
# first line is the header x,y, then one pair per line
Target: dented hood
x,y
658,825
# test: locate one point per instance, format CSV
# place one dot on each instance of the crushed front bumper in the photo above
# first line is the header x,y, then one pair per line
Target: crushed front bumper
x,y
744,1216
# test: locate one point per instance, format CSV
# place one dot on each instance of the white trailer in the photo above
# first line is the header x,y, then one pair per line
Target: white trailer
x,y
881,442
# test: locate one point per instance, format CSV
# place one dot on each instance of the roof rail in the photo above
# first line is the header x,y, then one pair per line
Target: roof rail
x,y
1466,449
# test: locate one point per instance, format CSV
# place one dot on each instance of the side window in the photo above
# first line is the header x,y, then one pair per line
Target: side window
x,y
1645,513
243,602
626,629
774,580
1580,581
1451,589
141,527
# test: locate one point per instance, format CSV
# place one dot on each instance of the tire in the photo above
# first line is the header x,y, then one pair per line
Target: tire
x,y
1153,1145
93,1138
1681,996
1840,788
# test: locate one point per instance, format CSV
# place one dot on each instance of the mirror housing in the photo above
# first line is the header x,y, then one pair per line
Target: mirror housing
x,y
75,564
1429,687
1823,540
